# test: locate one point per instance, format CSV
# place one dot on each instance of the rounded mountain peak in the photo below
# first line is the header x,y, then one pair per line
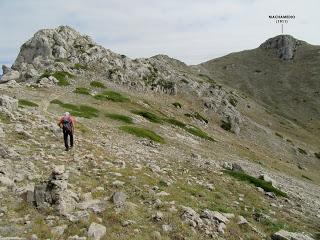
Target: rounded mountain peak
x,y
285,45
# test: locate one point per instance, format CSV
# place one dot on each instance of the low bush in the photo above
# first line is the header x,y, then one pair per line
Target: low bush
x,y
120,117
61,76
198,132
267,186
148,115
177,104
79,111
144,133
111,96
198,116
97,84
26,103
79,66
82,90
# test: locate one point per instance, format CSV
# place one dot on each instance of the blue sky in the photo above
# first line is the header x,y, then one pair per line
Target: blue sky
x,y
189,30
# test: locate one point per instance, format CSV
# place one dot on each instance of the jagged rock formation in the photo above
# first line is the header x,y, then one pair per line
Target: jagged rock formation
x,y
285,45
65,50
55,192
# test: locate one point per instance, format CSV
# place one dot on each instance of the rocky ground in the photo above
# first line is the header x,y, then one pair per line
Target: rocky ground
x,y
114,185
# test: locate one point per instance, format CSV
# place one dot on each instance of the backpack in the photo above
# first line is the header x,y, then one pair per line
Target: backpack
x,y
67,124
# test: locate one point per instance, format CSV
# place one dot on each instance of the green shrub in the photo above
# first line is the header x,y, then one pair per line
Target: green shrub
x,y
82,90
62,77
279,135
4,118
112,96
302,151
198,132
97,84
144,133
26,103
197,115
79,66
267,186
226,125
119,117
148,115
177,104
175,122
79,111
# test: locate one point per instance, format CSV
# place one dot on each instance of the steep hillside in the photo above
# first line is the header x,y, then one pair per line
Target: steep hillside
x,y
161,151
283,74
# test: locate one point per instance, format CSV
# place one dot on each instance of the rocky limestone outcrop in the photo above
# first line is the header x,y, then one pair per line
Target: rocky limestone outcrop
x,y
285,235
285,45
55,193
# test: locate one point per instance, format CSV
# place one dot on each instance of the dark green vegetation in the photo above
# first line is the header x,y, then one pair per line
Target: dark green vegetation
x,y
61,76
26,103
144,133
150,116
119,117
80,111
189,128
226,125
97,84
302,151
306,177
198,116
177,104
267,186
82,90
4,118
111,96
279,135
79,66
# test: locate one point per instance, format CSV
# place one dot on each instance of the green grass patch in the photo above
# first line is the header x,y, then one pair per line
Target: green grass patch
x,y
82,90
61,76
120,117
177,104
4,118
26,103
198,132
267,186
111,96
198,116
144,133
79,111
97,84
175,122
79,66
148,115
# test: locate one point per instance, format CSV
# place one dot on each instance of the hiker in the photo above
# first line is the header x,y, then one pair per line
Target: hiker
x,y
67,124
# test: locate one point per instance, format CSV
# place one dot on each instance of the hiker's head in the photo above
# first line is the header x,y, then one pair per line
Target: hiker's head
x,y
66,114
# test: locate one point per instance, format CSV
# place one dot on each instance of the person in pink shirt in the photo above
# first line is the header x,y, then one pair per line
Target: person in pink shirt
x,y
67,123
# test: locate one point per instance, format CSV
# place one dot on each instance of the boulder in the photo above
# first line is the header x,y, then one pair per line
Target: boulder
x,y
119,199
11,75
5,69
96,231
285,235
8,103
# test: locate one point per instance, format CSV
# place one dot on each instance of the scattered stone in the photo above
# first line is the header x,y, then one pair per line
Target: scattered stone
x,y
166,228
285,235
128,222
242,221
237,168
119,199
96,231
266,178
118,183
158,216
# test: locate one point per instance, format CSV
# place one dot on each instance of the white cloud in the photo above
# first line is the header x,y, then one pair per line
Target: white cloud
x,y
192,31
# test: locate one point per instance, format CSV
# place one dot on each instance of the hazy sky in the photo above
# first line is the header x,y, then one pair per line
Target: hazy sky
x,y
190,30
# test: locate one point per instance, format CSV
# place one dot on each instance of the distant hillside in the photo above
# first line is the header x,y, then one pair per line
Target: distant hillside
x,y
282,73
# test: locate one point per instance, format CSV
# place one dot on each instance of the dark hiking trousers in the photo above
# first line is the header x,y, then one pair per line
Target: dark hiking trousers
x,y
67,133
